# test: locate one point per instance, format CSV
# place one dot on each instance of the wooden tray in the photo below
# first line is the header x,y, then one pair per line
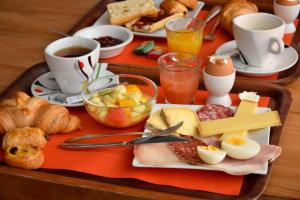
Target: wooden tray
x,y
284,78
63,184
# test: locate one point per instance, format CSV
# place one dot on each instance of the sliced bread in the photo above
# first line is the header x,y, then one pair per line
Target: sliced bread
x,y
122,12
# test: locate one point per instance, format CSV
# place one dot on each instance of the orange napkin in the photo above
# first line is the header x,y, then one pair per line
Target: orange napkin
x,y
115,162
208,48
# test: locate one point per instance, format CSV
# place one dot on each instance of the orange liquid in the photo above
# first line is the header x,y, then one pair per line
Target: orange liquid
x,y
184,40
179,84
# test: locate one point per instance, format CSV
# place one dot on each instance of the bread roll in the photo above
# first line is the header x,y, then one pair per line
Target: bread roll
x,y
24,136
233,9
122,12
173,6
25,156
191,4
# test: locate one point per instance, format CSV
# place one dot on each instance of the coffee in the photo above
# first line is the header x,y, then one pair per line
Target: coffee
x,y
73,51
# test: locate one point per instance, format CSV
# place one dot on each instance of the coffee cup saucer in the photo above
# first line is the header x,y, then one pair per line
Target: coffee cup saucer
x,y
281,62
46,87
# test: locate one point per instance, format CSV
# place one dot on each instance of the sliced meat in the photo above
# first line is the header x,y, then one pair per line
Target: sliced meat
x,y
156,154
212,112
243,167
187,151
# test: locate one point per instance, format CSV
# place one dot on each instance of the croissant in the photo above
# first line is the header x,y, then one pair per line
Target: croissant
x,y
24,136
22,110
233,9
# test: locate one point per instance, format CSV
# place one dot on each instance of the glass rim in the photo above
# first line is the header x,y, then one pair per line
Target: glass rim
x,y
178,31
192,68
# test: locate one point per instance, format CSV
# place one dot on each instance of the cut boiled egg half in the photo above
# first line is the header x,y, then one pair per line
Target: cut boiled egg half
x,y
240,148
211,154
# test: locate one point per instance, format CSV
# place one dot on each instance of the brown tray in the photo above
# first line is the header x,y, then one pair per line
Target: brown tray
x,y
285,77
63,184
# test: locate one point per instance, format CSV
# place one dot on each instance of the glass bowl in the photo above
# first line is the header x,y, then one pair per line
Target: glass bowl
x,y
120,101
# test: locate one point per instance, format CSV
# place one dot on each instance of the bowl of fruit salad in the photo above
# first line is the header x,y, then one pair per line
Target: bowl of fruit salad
x,y
120,101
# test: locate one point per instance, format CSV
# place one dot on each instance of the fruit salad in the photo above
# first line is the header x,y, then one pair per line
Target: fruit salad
x,y
121,106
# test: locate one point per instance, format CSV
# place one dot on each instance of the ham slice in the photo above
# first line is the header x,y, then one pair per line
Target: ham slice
x,y
159,154
155,154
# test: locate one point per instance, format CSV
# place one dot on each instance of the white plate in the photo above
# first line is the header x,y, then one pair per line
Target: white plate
x,y
281,62
104,19
261,136
46,87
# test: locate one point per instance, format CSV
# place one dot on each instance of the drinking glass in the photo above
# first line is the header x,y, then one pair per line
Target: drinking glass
x,y
179,76
181,38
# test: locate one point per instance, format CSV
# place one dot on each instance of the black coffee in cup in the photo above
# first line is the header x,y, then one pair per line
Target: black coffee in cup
x,y
73,51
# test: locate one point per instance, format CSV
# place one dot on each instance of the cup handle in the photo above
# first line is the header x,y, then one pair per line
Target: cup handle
x,y
279,43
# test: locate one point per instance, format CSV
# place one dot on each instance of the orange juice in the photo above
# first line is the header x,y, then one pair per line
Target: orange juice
x,y
184,40
179,84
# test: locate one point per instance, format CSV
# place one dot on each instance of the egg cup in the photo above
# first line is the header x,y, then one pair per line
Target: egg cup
x,y
219,87
288,14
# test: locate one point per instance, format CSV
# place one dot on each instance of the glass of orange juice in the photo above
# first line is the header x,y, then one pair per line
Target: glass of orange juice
x,y
182,38
179,76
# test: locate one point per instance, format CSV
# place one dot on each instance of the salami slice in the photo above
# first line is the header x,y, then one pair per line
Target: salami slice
x,y
212,112
187,151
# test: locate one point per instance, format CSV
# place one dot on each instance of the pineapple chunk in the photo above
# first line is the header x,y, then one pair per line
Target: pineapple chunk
x,y
102,112
139,108
120,89
136,96
107,99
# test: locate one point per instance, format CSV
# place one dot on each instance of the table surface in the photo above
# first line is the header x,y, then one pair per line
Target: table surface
x,y
24,35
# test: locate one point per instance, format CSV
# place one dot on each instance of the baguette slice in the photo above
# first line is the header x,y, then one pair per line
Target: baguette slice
x,y
122,12
151,24
174,116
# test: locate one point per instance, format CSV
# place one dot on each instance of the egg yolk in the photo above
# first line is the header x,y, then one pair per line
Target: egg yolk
x,y
210,148
235,141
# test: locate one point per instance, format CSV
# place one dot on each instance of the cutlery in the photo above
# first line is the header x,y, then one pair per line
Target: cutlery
x,y
161,132
58,32
210,36
200,24
141,140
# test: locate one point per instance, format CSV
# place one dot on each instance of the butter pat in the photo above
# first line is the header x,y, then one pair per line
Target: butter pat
x,y
245,123
249,96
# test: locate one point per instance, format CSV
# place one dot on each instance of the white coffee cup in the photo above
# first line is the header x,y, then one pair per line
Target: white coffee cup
x,y
258,37
71,72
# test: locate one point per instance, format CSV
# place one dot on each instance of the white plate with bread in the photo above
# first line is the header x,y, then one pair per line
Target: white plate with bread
x,y
134,11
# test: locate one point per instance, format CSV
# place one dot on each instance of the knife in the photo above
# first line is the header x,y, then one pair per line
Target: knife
x,y
161,132
142,140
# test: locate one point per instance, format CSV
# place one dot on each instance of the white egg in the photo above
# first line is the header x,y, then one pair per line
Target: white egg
x,y
211,154
240,148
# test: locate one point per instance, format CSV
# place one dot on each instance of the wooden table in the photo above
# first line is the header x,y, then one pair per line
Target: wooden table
x,y
24,35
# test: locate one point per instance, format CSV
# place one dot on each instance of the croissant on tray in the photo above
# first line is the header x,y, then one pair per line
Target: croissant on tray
x,y
22,110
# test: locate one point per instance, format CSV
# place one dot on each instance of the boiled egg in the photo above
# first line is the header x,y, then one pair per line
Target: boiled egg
x,y
219,65
211,154
240,148
287,2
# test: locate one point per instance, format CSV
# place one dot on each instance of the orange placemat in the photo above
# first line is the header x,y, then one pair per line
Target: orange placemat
x,y
116,162
208,48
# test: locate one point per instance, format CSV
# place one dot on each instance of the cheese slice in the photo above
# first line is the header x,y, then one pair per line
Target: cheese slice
x,y
247,122
245,108
156,122
189,118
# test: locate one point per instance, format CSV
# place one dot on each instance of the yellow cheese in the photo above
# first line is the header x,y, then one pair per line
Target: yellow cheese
x,y
247,122
156,122
245,108
189,118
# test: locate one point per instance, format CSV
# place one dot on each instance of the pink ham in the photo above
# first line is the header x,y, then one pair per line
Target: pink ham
x,y
160,155
156,154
